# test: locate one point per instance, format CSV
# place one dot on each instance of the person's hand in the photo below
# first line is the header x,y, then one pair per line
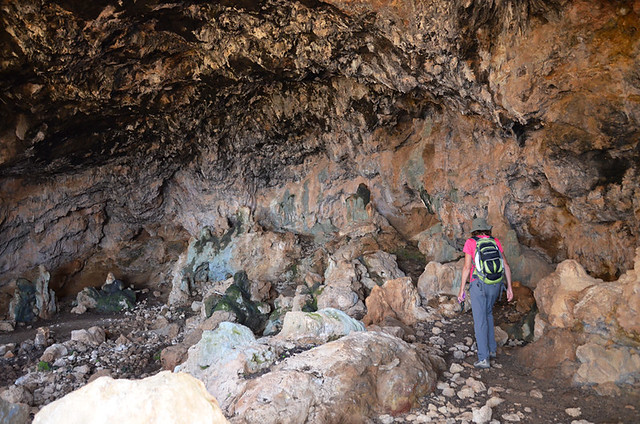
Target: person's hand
x,y
461,297
509,294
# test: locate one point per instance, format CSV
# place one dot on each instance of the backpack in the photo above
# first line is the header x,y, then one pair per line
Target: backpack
x,y
489,264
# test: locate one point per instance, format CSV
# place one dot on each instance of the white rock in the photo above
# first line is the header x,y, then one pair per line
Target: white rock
x,y
54,352
511,417
459,355
482,415
94,335
573,412
436,330
385,419
494,401
164,398
535,393
448,392
466,392
477,386
455,368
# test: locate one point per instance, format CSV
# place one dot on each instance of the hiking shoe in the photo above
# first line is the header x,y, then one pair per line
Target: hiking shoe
x,y
482,364
492,355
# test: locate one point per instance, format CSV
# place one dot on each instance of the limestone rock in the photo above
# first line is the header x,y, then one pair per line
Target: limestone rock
x,y
557,294
11,413
318,327
54,352
601,364
163,398
328,384
396,298
91,336
222,357
440,279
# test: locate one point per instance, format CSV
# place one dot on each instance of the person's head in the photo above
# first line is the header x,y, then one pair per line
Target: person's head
x,y
480,226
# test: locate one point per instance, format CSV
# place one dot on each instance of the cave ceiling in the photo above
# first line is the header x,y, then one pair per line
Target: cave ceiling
x,y
131,82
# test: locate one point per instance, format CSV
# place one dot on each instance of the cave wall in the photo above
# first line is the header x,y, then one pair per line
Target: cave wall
x,y
128,127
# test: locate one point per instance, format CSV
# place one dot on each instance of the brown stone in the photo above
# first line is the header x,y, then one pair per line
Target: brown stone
x,y
397,299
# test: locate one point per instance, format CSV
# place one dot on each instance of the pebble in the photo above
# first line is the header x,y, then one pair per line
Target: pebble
x,y
386,419
494,401
456,368
535,393
448,392
477,386
436,330
466,392
459,355
482,415
511,417
573,412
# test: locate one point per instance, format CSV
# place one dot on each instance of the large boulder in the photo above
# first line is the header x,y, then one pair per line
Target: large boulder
x,y
224,357
163,398
347,380
603,319
569,298
397,299
602,364
318,327
438,279
113,296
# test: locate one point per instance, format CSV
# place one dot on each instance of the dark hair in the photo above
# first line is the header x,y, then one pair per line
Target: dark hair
x,y
481,233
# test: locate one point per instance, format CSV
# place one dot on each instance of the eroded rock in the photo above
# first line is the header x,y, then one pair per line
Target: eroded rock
x,y
165,397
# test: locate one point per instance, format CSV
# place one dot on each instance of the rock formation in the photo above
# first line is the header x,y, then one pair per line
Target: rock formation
x,y
129,128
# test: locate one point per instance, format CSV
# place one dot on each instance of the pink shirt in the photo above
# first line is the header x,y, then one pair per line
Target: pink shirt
x,y
470,248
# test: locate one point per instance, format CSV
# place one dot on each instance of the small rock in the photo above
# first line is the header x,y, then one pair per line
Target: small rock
x,y
459,355
535,393
436,330
42,337
466,392
573,412
386,419
54,352
196,306
477,386
448,392
511,417
482,415
494,401
6,326
157,293
455,368
80,309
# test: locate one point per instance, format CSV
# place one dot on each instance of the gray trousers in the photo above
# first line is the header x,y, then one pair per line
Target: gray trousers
x,y
483,296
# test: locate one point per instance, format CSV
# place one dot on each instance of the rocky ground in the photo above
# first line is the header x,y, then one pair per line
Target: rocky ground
x,y
508,392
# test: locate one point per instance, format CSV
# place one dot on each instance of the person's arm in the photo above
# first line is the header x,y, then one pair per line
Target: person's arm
x,y
465,274
507,273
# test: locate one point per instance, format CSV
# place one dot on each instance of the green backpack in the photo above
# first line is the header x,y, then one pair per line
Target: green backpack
x,y
489,263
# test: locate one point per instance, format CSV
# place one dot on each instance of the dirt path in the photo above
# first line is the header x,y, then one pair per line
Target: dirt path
x,y
527,399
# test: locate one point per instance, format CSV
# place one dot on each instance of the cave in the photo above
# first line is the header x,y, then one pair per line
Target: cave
x,y
169,146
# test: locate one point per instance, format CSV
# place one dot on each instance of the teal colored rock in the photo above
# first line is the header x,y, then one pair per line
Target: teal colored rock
x,y
23,303
236,299
114,300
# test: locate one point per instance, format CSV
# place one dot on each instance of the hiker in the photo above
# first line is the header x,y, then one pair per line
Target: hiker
x,y
485,287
